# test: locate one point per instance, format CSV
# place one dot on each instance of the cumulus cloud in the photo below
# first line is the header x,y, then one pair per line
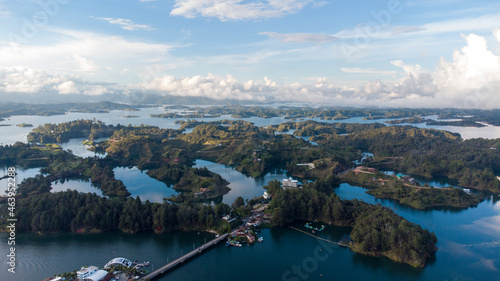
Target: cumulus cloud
x,y
300,37
26,80
469,80
496,33
86,53
209,86
226,10
67,87
126,24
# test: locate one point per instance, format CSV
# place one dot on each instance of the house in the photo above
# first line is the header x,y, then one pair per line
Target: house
x,y
91,273
250,238
466,190
289,183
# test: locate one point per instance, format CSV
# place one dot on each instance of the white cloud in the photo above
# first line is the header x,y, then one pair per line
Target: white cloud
x,y
470,80
300,37
84,64
496,33
127,24
367,71
67,87
26,80
87,54
226,10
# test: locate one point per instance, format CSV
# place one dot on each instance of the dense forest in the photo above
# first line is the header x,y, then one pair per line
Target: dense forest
x,y
376,230
63,132
168,155
10,109
78,212
427,152
417,196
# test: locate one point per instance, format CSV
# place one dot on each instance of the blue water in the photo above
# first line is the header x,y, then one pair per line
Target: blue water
x,y
75,184
469,240
241,185
138,183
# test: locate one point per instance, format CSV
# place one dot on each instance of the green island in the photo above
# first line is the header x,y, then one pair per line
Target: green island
x,y
168,155
383,186
376,230
24,125
10,109
429,122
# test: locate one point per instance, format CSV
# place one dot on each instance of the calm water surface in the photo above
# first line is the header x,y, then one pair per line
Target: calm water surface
x,y
469,240
138,183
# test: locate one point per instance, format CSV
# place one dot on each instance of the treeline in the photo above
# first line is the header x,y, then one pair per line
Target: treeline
x,y
200,183
375,229
71,211
63,132
314,128
25,155
10,109
428,152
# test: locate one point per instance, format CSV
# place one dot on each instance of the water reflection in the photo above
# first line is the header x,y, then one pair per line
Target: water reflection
x,y
138,183
79,149
80,185
241,185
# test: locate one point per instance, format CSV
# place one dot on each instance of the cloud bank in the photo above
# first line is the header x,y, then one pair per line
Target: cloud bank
x,y
471,79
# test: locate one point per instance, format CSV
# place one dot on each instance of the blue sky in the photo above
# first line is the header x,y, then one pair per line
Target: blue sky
x,y
341,52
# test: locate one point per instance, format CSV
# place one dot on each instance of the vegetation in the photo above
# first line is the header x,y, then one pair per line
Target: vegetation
x,y
10,109
416,196
79,212
376,230
58,133
427,152
24,125
201,184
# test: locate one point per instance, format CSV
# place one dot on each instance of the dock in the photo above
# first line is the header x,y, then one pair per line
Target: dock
x,y
322,239
182,259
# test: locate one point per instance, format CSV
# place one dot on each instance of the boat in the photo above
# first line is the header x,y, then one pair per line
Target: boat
x,y
261,239
308,225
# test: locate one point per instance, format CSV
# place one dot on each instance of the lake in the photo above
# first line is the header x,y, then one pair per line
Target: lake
x,y
469,240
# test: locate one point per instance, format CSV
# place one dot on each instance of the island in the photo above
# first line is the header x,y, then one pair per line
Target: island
x,y
24,125
168,155
409,192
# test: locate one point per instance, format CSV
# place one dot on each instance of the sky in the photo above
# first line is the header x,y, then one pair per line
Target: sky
x,y
391,53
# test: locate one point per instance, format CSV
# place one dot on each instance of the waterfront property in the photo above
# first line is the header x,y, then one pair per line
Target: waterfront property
x,y
119,261
290,183
92,273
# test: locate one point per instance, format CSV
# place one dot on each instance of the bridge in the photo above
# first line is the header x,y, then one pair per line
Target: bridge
x,y
185,257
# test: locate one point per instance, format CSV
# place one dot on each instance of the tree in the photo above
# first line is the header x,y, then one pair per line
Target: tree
x,y
238,202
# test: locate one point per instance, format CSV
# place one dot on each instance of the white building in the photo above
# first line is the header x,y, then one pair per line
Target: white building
x,y
266,195
289,183
91,273
466,190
